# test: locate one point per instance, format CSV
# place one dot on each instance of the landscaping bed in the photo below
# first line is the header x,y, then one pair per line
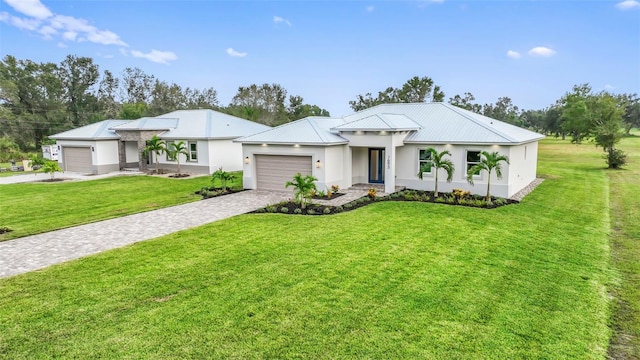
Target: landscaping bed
x,y
457,197
210,192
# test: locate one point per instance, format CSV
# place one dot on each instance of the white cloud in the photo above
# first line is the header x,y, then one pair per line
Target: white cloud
x,y
628,4
513,54
85,31
370,8
542,51
23,23
62,45
70,35
609,87
278,20
31,8
235,53
161,57
47,31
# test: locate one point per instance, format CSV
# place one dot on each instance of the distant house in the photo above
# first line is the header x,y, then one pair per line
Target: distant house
x,y
111,145
386,145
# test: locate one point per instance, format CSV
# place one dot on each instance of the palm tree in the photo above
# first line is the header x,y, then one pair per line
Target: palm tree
x,y
155,146
488,162
438,162
176,149
223,176
50,167
302,187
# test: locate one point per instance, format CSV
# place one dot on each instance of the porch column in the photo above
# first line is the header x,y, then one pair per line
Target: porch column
x,y
390,169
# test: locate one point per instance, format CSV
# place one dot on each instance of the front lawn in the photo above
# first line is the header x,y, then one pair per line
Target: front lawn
x,y
34,208
390,280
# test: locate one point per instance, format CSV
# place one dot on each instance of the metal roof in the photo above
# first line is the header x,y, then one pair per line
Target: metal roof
x,y
209,124
380,122
181,124
96,131
448,124
149,123
312,130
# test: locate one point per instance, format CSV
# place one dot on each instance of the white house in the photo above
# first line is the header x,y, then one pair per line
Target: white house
x,y
386,144
111,145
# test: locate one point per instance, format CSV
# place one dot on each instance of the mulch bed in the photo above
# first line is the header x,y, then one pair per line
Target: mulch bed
x,y
4,230
290,207
53,180
211,192
333,196
178,176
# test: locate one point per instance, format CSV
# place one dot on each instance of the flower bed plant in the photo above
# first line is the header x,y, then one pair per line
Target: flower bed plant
x,y
456,197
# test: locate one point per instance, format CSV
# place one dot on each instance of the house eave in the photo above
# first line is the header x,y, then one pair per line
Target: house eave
x,y
292,143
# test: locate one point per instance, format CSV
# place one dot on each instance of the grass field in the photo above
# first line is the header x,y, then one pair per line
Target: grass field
x,y
34,208
391,280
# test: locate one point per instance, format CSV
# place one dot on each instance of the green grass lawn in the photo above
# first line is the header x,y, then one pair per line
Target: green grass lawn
x,y
625,239
390,280
34,208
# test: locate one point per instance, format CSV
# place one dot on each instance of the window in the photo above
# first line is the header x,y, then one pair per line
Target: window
x,y
473,158
170,156
424,161
193,151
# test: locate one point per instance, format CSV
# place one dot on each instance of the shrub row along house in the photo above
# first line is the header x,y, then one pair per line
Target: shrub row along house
x,y
385,144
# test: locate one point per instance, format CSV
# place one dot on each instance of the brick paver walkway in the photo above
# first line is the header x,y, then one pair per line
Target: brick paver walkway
x,y
39,251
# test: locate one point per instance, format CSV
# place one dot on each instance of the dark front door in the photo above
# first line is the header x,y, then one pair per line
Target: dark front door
x,y
376,166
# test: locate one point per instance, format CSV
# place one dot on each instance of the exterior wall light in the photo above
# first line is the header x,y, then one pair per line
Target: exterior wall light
x,y
92,149
247,160
318,164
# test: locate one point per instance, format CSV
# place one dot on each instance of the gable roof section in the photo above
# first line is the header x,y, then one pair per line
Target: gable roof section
x,y
96,131
312,130
442,123
380,122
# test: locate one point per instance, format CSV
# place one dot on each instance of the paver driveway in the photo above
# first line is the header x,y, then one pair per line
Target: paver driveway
x,y
38,251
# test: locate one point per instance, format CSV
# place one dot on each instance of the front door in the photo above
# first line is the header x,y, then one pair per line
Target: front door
x,y
376,166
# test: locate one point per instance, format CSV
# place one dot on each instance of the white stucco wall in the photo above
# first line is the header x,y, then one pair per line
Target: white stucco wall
x,y
106,153
250,150
131,152
514,176
225,154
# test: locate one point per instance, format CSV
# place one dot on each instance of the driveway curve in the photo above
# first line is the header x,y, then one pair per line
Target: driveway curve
x,y
35,252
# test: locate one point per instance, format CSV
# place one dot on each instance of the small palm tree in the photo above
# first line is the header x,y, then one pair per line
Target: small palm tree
x,y
223,176
302,187
438,162
176,149
155,146
50,167
488,162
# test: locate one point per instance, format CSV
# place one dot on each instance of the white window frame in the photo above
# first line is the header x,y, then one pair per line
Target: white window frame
x,y
467,163
421,161
191,152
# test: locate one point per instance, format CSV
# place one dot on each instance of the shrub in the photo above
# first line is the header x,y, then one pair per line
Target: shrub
x,y
348,206
408,196
460,194
451,200
297,211
616,158
261,210
338,209
311,212
335,188
500,201
479,203
326,211
439,199
372,192
271,208
284,210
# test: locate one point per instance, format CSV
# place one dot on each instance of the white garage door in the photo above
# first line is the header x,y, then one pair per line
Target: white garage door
x,y
273,171
77,159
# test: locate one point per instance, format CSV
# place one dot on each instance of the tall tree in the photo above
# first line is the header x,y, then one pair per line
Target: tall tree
x,y
78,75
136,86
297,109
108,104
415,90
466,102
266,103
607,112
503,110
575,115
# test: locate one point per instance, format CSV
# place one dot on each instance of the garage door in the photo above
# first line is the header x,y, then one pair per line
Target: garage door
x,y
273,171
77,159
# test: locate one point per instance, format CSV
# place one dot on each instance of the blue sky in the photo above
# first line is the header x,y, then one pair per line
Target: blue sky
x,y
329,52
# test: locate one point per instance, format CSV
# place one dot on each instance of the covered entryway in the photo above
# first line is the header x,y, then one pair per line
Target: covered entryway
x,y
273,171
77,159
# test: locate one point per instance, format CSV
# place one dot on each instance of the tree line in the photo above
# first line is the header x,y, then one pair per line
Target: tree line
x,y
39,99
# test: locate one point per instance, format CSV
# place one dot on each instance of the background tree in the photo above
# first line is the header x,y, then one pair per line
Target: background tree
x,y
575,118
466,102
488,162
503,110
415,90
438,162
78,75
136,86
108,104
631,117
608,127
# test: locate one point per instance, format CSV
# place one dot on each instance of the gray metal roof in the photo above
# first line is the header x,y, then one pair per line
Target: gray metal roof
x,y
313,130
209,124
149,123
448,124
96,131
380,122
